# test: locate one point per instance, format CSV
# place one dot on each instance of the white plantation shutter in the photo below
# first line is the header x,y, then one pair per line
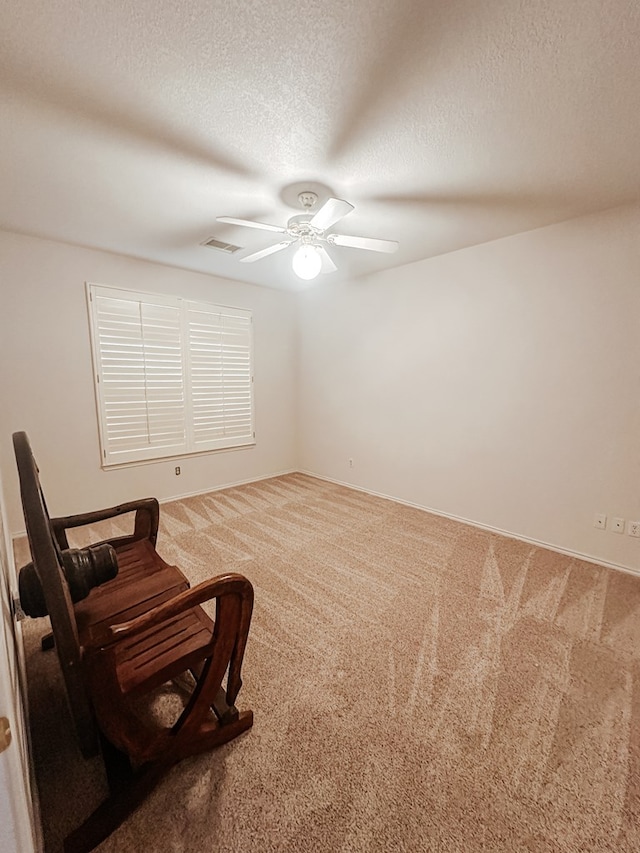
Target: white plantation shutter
x,y
172,377
220,375
140,377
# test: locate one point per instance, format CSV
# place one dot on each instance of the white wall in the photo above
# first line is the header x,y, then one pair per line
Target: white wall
x,y
47,384
500,384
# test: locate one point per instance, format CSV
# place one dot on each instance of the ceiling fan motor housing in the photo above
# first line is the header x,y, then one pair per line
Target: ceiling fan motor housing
x,y
298,227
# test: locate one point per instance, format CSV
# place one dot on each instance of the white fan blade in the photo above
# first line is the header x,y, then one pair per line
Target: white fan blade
x,y
331,211
264,252
364,243
327,263
248,223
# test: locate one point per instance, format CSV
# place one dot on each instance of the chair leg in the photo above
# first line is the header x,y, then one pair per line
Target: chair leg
x,y
116,764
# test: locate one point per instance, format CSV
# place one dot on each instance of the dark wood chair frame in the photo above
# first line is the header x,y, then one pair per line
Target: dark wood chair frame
x,y
129,636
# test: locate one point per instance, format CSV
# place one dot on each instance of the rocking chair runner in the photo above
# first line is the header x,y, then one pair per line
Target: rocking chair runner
x,y
128,637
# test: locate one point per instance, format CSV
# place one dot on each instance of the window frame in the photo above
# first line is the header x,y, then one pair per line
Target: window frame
x,y
149,453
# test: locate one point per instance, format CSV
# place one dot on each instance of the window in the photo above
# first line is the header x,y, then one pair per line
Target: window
x,y
172,376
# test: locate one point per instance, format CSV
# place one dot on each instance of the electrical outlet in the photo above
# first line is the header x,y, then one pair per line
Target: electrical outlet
x,y
177,470
600,520
617,525
633,528
351,463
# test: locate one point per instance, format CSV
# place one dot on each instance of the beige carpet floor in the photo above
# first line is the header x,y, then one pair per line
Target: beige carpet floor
x,y
417,684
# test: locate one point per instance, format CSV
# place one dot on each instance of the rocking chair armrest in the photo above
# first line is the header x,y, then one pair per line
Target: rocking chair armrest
x,y
218,587
146,522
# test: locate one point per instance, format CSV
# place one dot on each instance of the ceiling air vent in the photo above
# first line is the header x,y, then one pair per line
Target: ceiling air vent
x,y
221,246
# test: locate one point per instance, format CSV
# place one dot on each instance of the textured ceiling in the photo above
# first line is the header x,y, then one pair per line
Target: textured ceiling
x,y
131,125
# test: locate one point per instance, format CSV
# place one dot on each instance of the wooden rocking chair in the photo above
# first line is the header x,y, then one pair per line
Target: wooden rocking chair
x,y
126,638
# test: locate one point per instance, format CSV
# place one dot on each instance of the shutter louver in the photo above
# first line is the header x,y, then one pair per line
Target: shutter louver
x,y
173,377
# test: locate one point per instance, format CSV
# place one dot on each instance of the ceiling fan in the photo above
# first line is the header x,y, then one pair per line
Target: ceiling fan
x,y
308,230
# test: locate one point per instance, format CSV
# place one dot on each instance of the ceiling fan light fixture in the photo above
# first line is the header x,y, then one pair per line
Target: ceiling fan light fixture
x,y
307,262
